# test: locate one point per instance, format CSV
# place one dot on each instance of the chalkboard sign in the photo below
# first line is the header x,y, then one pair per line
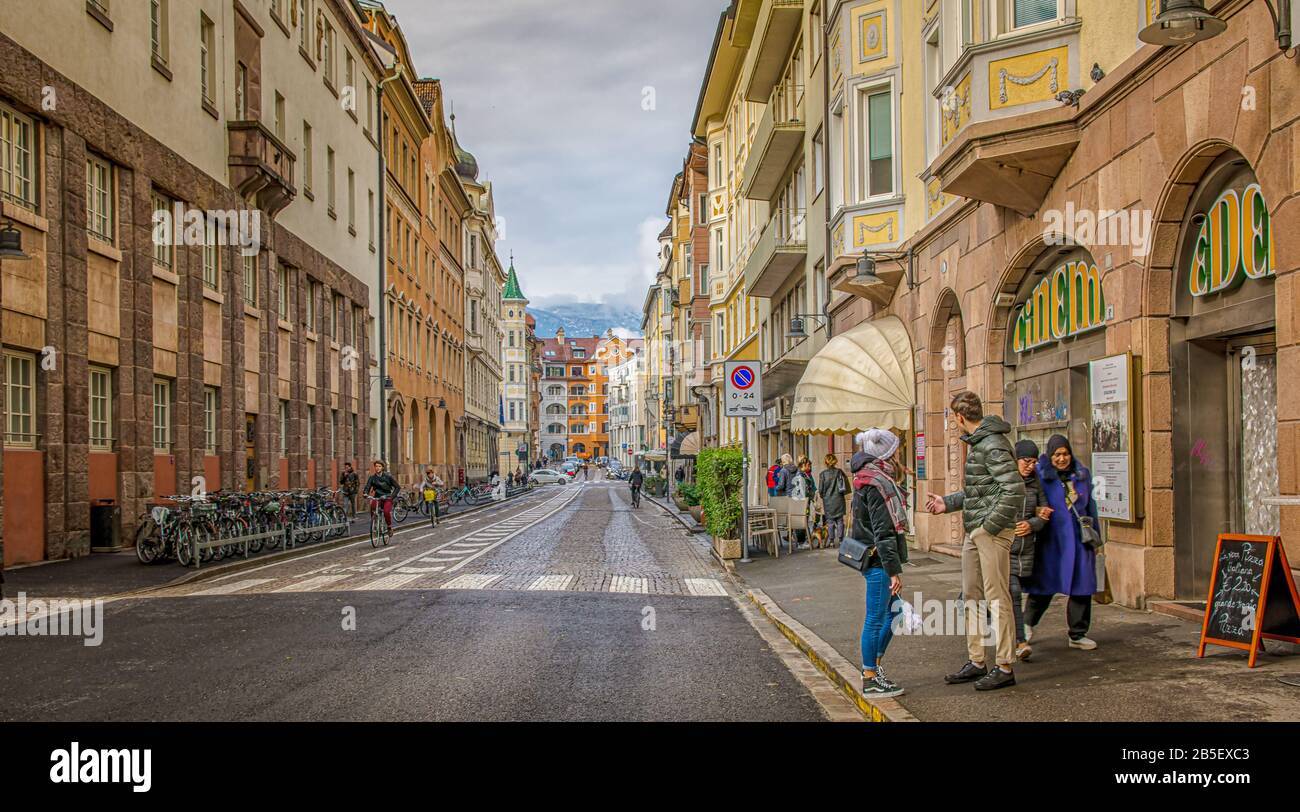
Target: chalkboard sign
x,y
1252,596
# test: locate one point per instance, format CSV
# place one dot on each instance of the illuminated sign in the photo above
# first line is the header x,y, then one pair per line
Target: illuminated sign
x,y
1067,302
1234,243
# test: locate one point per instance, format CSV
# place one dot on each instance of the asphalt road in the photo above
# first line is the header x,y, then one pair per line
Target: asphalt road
x,y
567,605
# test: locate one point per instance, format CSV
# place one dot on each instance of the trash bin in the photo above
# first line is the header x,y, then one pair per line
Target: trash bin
x,y
105,525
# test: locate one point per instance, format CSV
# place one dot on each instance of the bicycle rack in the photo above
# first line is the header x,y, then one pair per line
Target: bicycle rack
x,y
291,537
239,541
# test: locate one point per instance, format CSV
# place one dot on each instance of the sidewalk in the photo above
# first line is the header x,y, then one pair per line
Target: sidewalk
x,y
116,573
1144,668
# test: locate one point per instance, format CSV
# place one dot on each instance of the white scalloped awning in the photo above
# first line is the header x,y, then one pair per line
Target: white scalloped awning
x,y
861,379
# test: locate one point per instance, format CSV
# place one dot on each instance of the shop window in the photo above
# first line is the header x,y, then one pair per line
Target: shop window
x,y
101,408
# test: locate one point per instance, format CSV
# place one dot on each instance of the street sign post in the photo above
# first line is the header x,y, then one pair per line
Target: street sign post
x,y
743,389
743,398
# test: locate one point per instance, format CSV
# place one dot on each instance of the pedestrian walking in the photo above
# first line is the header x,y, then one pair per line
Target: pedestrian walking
x,y
1023,547
804,488
991,504
833,489
880,522
785,475
349,483
1067,562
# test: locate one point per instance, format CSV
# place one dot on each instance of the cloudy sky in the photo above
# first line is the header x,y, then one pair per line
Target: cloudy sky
x,y
548,96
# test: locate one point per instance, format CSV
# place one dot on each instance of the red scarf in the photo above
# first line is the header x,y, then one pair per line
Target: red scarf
x,y
879,474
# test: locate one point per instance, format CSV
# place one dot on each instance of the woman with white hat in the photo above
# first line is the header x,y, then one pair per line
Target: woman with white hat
x,y
880,521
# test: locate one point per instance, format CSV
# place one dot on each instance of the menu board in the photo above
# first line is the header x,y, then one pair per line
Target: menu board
x,y
1111,426
1252,596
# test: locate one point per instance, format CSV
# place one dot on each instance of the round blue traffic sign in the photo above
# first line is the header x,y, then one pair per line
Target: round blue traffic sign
x,y
742,377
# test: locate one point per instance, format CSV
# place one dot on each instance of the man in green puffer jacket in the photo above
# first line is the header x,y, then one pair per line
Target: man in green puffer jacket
x,y
991,502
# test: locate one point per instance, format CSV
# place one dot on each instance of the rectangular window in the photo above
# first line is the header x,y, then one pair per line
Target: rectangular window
x,y
280,122
20,400
327,55
99,199
303,9
1032,12
370,107
284,428
207,56
352,201
283,278
101,408
158,30
349,74
162,415
819,161
211,413
250,280
211,263
329,179
311,306
876,174
17,158
163,250
306,157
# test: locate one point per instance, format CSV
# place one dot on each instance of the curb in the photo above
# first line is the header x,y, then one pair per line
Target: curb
x,y
827,660
194,576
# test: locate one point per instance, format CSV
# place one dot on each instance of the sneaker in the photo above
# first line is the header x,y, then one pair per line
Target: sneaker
x,y
882,677
968,673
1024,651
995,679
878,688
1083,643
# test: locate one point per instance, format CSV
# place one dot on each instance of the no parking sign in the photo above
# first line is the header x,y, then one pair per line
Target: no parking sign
x,y
743,390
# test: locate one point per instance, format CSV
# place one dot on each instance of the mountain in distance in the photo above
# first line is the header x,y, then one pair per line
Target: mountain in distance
x,y
585,319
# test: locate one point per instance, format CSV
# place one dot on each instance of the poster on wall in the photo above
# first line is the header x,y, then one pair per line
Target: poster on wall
x,y
1112,436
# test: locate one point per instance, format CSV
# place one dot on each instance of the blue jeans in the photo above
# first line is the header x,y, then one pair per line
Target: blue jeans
x,y
878,625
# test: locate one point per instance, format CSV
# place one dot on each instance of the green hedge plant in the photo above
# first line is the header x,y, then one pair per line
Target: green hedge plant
x,y
719,476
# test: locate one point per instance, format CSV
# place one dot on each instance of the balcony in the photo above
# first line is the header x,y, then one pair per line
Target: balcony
x,y
772,47
781,249
777,141
261,168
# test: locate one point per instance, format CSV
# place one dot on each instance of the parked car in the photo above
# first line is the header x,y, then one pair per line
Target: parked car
x,y
547,476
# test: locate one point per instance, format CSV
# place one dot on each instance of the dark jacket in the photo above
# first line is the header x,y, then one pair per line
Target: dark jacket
x,y
993,494
1022,547
382,485
349,481
784,478
873,525
1065,565
828,485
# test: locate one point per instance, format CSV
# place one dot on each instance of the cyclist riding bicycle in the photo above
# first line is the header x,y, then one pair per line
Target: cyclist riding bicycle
x,y
635,481
383,488
429,489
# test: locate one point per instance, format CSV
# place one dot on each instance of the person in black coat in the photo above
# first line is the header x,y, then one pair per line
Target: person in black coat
x,y
879,521
1026,538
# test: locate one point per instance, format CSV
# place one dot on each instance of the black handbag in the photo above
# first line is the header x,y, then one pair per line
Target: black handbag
x,y
856,554
1088,533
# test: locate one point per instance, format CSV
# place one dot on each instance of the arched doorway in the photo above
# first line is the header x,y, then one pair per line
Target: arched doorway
x,y
557,452
1222,359
947,377
394,440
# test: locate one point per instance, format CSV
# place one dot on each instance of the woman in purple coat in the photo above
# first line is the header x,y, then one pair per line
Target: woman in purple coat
x,y
1065,565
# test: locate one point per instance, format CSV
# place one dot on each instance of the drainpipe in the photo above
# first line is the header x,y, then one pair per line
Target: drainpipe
x,y
381,215
826,164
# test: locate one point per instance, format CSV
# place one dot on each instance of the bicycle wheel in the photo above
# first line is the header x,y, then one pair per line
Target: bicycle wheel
x,y
184,548
148,540
400,509
376,519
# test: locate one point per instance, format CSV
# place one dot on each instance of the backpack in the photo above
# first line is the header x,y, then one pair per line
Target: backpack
x,y
771,476
799,488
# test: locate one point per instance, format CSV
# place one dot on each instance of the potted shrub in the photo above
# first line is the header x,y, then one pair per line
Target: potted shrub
x,y
719,473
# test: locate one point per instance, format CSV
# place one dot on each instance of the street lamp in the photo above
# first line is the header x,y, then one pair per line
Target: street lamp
x,y
11,242
1181,22
866,271
797,331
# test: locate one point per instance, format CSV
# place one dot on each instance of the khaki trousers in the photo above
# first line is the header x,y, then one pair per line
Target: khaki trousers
x,y
986,576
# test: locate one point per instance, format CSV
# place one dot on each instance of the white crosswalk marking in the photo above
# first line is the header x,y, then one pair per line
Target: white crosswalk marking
x,y
390,582
311,584
551,583
471,581
705,586
626,583
234,586
420,570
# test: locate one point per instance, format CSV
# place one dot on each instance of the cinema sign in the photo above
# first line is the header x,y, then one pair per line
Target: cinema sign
x,y
1068,301
1234,243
